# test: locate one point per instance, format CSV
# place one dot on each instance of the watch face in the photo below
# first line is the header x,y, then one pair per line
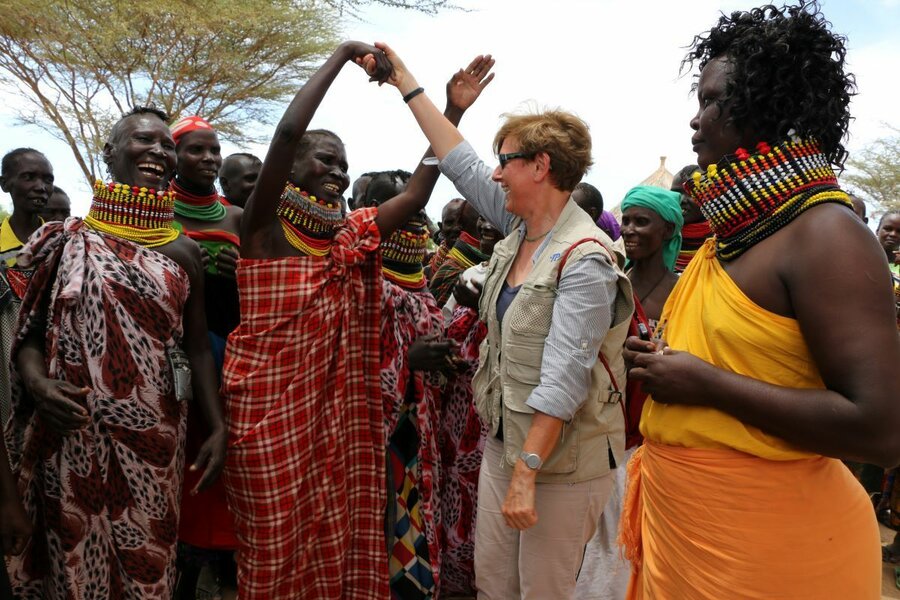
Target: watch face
x,y
533,461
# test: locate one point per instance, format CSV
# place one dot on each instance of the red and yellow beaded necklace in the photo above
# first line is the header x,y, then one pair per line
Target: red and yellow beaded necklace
x,y
308,224
140,215
403,253
746,198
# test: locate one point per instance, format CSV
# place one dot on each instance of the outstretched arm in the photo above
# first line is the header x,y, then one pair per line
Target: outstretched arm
x,y
260,210
462,90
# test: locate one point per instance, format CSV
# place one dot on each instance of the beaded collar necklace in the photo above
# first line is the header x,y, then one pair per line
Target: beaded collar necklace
x,y
192,206
402,255
746,198
140,215
308,224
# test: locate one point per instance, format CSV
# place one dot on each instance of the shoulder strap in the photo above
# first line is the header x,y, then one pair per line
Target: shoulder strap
x,y
562,263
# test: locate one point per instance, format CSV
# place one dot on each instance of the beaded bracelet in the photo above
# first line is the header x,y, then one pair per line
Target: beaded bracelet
x,y
413,94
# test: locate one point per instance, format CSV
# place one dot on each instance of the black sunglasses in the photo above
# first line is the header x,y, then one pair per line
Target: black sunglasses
x,y
505,158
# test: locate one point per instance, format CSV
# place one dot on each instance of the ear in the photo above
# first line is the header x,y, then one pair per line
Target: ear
x,y
107,154
670,230
541,164
3,182
226,187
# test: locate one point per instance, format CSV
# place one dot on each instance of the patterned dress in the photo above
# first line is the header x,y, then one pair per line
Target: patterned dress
x,y
461,439
104,499
411,412
305,466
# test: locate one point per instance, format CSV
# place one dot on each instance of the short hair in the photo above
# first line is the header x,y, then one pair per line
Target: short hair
x,y
786,74
10,160
59,190
684,173
311,136
383,186
592,195
116,130
563,136
223,172
890,213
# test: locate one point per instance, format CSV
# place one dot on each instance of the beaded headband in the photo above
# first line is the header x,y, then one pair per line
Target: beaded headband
x,y
746,198
403,254
308,224
138,214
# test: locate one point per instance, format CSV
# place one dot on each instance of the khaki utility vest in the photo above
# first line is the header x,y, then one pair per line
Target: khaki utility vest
x,y
511,355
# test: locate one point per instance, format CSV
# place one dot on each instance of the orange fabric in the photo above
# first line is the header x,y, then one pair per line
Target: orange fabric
x,y
723,524
709,316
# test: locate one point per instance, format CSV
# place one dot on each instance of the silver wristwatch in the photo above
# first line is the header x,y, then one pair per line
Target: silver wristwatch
x,y
531,460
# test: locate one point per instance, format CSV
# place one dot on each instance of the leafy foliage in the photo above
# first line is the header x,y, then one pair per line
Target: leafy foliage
x,y
874,173
79,64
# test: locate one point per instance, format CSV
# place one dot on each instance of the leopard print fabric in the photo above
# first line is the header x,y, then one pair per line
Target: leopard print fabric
x,y
461,438
104,499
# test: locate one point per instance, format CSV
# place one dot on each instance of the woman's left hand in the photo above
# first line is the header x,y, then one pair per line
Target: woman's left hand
x,y
226,262
518,507
212,453
673,377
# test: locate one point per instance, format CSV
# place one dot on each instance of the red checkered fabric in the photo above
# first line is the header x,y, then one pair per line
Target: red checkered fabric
x,y
305,469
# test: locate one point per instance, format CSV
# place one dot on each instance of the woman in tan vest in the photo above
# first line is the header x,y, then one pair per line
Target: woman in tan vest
x,y
555,430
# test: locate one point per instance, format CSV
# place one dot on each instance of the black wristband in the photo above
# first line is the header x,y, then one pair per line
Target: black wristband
x,y
413,94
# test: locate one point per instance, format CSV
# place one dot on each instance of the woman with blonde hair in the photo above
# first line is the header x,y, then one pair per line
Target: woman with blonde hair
x,y
553,300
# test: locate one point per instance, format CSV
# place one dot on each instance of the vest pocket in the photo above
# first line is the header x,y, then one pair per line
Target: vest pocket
x,y
516,423
532,311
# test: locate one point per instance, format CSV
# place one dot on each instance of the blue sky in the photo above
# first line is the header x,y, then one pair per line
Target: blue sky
x,y
614,63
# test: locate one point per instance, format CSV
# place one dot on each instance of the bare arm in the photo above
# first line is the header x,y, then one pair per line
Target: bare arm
x,y
259,212
463,89
846,312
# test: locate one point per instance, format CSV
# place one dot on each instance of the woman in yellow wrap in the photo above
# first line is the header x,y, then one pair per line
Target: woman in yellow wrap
x,y
778,354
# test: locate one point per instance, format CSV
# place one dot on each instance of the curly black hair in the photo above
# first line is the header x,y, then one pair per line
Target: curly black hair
x,y
384,185
786,72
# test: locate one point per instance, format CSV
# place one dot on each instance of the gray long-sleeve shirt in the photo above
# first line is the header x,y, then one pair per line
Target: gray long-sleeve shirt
x,y
582,312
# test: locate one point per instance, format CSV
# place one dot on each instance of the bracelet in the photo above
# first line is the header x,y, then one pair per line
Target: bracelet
x,y
413,94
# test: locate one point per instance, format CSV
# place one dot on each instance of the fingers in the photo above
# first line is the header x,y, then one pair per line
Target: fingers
x,y
59,411
485,83
214,463
636,344
519,518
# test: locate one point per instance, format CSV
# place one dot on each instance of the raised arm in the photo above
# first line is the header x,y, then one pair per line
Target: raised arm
x,y
463,89
259,213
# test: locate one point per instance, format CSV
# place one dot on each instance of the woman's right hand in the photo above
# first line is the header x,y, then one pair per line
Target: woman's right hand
x,y
55,402
464,294
635,345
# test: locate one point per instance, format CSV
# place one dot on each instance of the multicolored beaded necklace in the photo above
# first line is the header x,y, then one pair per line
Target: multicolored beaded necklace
x,y
402,255
140,215
308,224
200,208
746,198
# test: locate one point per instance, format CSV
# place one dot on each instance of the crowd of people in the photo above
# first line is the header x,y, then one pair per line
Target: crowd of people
x,y
233,368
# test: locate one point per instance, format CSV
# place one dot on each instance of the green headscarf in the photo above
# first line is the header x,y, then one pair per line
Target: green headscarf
x,y
668,206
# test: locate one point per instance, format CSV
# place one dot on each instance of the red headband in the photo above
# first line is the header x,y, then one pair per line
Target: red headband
x,y
187,125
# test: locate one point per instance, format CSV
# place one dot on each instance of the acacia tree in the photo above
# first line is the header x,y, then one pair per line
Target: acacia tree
x,y
875,172
79,64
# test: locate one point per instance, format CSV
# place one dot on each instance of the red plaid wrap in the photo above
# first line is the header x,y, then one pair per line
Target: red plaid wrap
x,y
305,469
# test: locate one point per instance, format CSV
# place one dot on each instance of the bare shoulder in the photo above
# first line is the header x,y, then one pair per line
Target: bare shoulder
x,y
184,251
232,220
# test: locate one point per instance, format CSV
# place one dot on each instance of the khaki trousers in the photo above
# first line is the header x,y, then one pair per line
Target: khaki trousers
x,y
540,563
